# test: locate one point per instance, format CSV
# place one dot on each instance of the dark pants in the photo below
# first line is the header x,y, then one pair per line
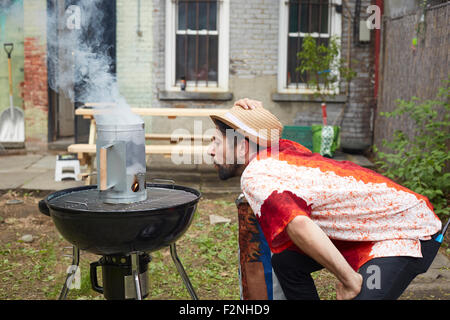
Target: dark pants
x,y
383,278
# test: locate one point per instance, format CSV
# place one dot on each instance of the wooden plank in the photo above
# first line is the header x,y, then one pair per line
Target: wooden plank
x,y
82,148
92,131
168,112
178,112
82,157
149,149
168,136
100,104
179,148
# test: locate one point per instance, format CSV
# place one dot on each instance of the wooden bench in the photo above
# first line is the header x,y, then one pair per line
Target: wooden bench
x,y
86,152
174,138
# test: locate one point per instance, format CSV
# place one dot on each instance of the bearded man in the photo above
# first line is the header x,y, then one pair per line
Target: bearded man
x,y
373,234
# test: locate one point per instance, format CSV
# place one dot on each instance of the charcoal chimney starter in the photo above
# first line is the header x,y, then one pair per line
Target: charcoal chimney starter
x,y
121,163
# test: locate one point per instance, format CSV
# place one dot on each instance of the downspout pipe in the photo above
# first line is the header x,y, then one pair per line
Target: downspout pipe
x,y
379,3
377,53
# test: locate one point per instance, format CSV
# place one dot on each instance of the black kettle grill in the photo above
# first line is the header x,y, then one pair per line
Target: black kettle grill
x,y
123,234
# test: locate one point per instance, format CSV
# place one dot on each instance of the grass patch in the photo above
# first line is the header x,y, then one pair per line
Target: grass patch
x,y
209,254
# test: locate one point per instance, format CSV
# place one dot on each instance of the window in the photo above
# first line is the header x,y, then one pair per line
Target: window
x,y
299,18
197,45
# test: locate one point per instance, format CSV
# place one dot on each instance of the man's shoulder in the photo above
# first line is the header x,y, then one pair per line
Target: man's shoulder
x,y
261,165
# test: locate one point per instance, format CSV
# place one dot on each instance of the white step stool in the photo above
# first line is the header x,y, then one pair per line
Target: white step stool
x,y
67,161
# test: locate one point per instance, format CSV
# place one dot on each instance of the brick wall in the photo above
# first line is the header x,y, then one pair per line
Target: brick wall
x,y
134,68
357,123
253,38
11,30
157,55
253,68
35,91
253,72
356,128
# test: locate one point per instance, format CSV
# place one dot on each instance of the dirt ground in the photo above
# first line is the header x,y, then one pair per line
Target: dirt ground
x,y
36,270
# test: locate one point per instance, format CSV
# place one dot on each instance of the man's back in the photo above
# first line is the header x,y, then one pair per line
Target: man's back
x,y
348,202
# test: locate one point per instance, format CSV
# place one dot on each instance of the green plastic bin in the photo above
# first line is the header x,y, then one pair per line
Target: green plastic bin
x,y
299,134
325,142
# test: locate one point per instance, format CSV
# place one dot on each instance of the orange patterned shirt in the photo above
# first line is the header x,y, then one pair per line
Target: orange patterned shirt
x,y
365,214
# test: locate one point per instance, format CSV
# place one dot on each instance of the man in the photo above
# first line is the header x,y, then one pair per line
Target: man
x,y
374,235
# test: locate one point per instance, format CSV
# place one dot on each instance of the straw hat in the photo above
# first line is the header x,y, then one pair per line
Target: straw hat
x,y
259,125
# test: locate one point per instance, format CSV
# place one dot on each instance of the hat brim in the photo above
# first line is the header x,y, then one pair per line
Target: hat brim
x,y
246,133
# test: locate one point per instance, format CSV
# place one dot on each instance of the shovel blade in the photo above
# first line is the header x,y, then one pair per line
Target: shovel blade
x,y
12,125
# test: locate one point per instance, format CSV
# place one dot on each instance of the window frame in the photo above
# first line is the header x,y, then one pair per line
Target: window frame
x,y
283,34
223,26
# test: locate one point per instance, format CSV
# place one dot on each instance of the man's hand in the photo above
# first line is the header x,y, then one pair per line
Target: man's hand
x,y
351,289
247,104
308,236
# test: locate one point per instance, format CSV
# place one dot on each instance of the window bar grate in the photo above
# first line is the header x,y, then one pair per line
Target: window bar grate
x,y
196,41
218,23
307,75
314,10
319,39
198,38
297,73
186,43
320,20
207,43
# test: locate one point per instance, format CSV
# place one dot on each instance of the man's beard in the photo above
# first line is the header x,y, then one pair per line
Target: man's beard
x,y
228,171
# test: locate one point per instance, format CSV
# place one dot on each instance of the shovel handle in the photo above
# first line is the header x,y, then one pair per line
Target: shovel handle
x,y
8,48
10,78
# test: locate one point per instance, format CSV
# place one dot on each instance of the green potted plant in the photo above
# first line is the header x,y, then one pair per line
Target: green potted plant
x,y
420,161
322,70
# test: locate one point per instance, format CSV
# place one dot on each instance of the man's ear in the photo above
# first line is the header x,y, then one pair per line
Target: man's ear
x,y
242,150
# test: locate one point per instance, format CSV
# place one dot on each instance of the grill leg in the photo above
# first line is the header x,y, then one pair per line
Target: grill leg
x,y
70,273
184,276
135,273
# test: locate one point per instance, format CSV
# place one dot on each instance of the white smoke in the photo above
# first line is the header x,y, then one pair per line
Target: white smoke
x,y
83,63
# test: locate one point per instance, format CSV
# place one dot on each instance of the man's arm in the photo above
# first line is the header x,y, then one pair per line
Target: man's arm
x,y
315,243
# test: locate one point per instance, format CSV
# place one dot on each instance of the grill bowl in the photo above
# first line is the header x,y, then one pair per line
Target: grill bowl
x,y
119,229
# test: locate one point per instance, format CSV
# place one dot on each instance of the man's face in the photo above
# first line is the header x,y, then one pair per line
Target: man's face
x,y
224,156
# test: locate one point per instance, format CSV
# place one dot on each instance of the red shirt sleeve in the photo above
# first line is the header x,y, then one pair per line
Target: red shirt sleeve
x,y
276,212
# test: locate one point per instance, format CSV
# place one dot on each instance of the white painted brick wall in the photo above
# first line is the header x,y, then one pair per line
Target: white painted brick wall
x,y
254,56
253,38
134,53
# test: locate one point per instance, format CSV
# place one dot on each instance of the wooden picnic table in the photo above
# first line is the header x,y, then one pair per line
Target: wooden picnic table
x,y
89,111
86,152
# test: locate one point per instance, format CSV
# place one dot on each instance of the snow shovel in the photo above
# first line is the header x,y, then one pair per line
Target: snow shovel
x,y
11,120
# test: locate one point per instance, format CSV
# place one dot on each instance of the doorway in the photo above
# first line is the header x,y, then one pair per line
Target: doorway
x,y
64,128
